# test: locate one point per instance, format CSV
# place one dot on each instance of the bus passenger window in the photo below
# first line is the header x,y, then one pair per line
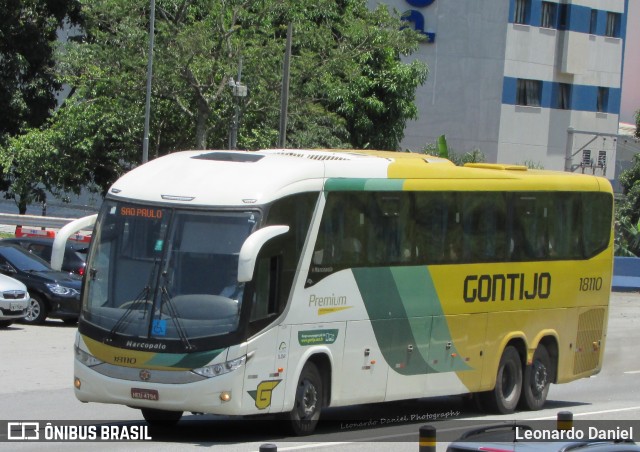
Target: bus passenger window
x,y
529,219
483,223
597,208
435,228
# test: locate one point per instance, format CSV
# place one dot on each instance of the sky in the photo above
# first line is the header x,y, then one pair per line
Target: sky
x,y
631,71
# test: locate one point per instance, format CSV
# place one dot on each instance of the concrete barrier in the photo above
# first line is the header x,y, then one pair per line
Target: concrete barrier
x,y
626,274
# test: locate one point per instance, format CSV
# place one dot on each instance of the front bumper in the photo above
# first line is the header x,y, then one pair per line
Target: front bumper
x,y
64,307
13,309
202,396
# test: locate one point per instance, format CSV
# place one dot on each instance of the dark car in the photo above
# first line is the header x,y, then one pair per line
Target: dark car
x,y
53,294
75,253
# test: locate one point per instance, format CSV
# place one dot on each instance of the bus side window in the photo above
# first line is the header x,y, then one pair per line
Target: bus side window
x,y
597,208
265,295
565,229
529,221
484,227
435,228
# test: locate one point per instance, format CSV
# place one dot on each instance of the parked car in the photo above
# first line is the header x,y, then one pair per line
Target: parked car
x,y
53,294
75,253
504,438
14,300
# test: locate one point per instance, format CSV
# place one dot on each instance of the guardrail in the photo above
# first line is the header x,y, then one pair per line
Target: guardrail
x,y
34,221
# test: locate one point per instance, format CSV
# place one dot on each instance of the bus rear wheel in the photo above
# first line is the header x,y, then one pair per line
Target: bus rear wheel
x,y
160,418
537,378
305,415
506,394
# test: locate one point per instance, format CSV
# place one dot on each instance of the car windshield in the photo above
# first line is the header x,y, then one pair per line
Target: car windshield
x,y
24,261
166,274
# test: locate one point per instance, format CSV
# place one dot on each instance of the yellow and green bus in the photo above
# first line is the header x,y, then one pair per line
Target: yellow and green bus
x,y
286,281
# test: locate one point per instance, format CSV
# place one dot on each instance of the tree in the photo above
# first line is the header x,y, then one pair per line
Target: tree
x,y
28,39
349,86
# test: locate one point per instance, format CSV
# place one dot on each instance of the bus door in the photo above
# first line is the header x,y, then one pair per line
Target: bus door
x,y
267,352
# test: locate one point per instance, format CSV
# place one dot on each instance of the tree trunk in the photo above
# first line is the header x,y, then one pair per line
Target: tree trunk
x,y
201,125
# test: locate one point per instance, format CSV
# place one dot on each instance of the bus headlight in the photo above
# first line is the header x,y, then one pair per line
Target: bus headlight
x,y
86,358
221,368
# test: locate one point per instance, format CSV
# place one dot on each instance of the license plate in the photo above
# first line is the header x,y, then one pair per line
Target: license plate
x,y
15,306
144,394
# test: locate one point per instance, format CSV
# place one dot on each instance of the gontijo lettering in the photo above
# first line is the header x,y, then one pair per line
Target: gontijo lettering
x,y
506,287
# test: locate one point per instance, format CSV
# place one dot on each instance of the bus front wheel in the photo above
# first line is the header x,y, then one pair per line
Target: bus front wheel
x,y
308,401
537,378
160,418
504,397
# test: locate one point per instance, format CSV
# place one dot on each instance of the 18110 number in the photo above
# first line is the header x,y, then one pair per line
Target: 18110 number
x,y
590,284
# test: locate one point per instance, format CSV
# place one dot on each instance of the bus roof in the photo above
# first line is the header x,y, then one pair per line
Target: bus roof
x,y
232,178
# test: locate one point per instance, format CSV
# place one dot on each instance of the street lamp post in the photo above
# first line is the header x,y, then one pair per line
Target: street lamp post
x,y
238,90
147,106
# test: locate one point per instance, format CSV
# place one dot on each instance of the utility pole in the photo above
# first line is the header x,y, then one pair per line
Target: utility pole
x,y
284,95
147,106
238,91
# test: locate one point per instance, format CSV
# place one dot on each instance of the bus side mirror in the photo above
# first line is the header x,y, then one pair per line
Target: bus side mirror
x,y
251,247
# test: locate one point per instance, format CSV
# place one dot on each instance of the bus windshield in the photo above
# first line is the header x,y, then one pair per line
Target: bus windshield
x,y
166,274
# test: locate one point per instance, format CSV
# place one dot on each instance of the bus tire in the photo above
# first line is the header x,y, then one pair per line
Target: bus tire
x,y
305,415
161,418
506,394
537,378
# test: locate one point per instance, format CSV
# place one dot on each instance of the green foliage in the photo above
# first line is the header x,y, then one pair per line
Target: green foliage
x,y
627,227
348,87
629,207
533,165
27,42
440,150
627,238
638,124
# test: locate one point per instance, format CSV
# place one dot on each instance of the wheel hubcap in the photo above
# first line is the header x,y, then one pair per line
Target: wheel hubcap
x,y
33,311
309,399
539,377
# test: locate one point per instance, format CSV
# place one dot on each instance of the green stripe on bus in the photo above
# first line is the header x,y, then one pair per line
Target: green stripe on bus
x,y
407,319
358,184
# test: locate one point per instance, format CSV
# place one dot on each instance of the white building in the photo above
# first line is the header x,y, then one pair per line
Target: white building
x,y
511,77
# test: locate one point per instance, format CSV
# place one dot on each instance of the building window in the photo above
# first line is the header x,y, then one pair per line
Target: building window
x,y
563,18
602,159
564,96
528,92
520,15
548,19
603,100
613,25
594,22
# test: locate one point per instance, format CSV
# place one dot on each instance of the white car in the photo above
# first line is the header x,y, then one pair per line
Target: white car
x,y
14,300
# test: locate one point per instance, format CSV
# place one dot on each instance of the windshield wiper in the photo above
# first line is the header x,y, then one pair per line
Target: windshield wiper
x,y
166,299
141,299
